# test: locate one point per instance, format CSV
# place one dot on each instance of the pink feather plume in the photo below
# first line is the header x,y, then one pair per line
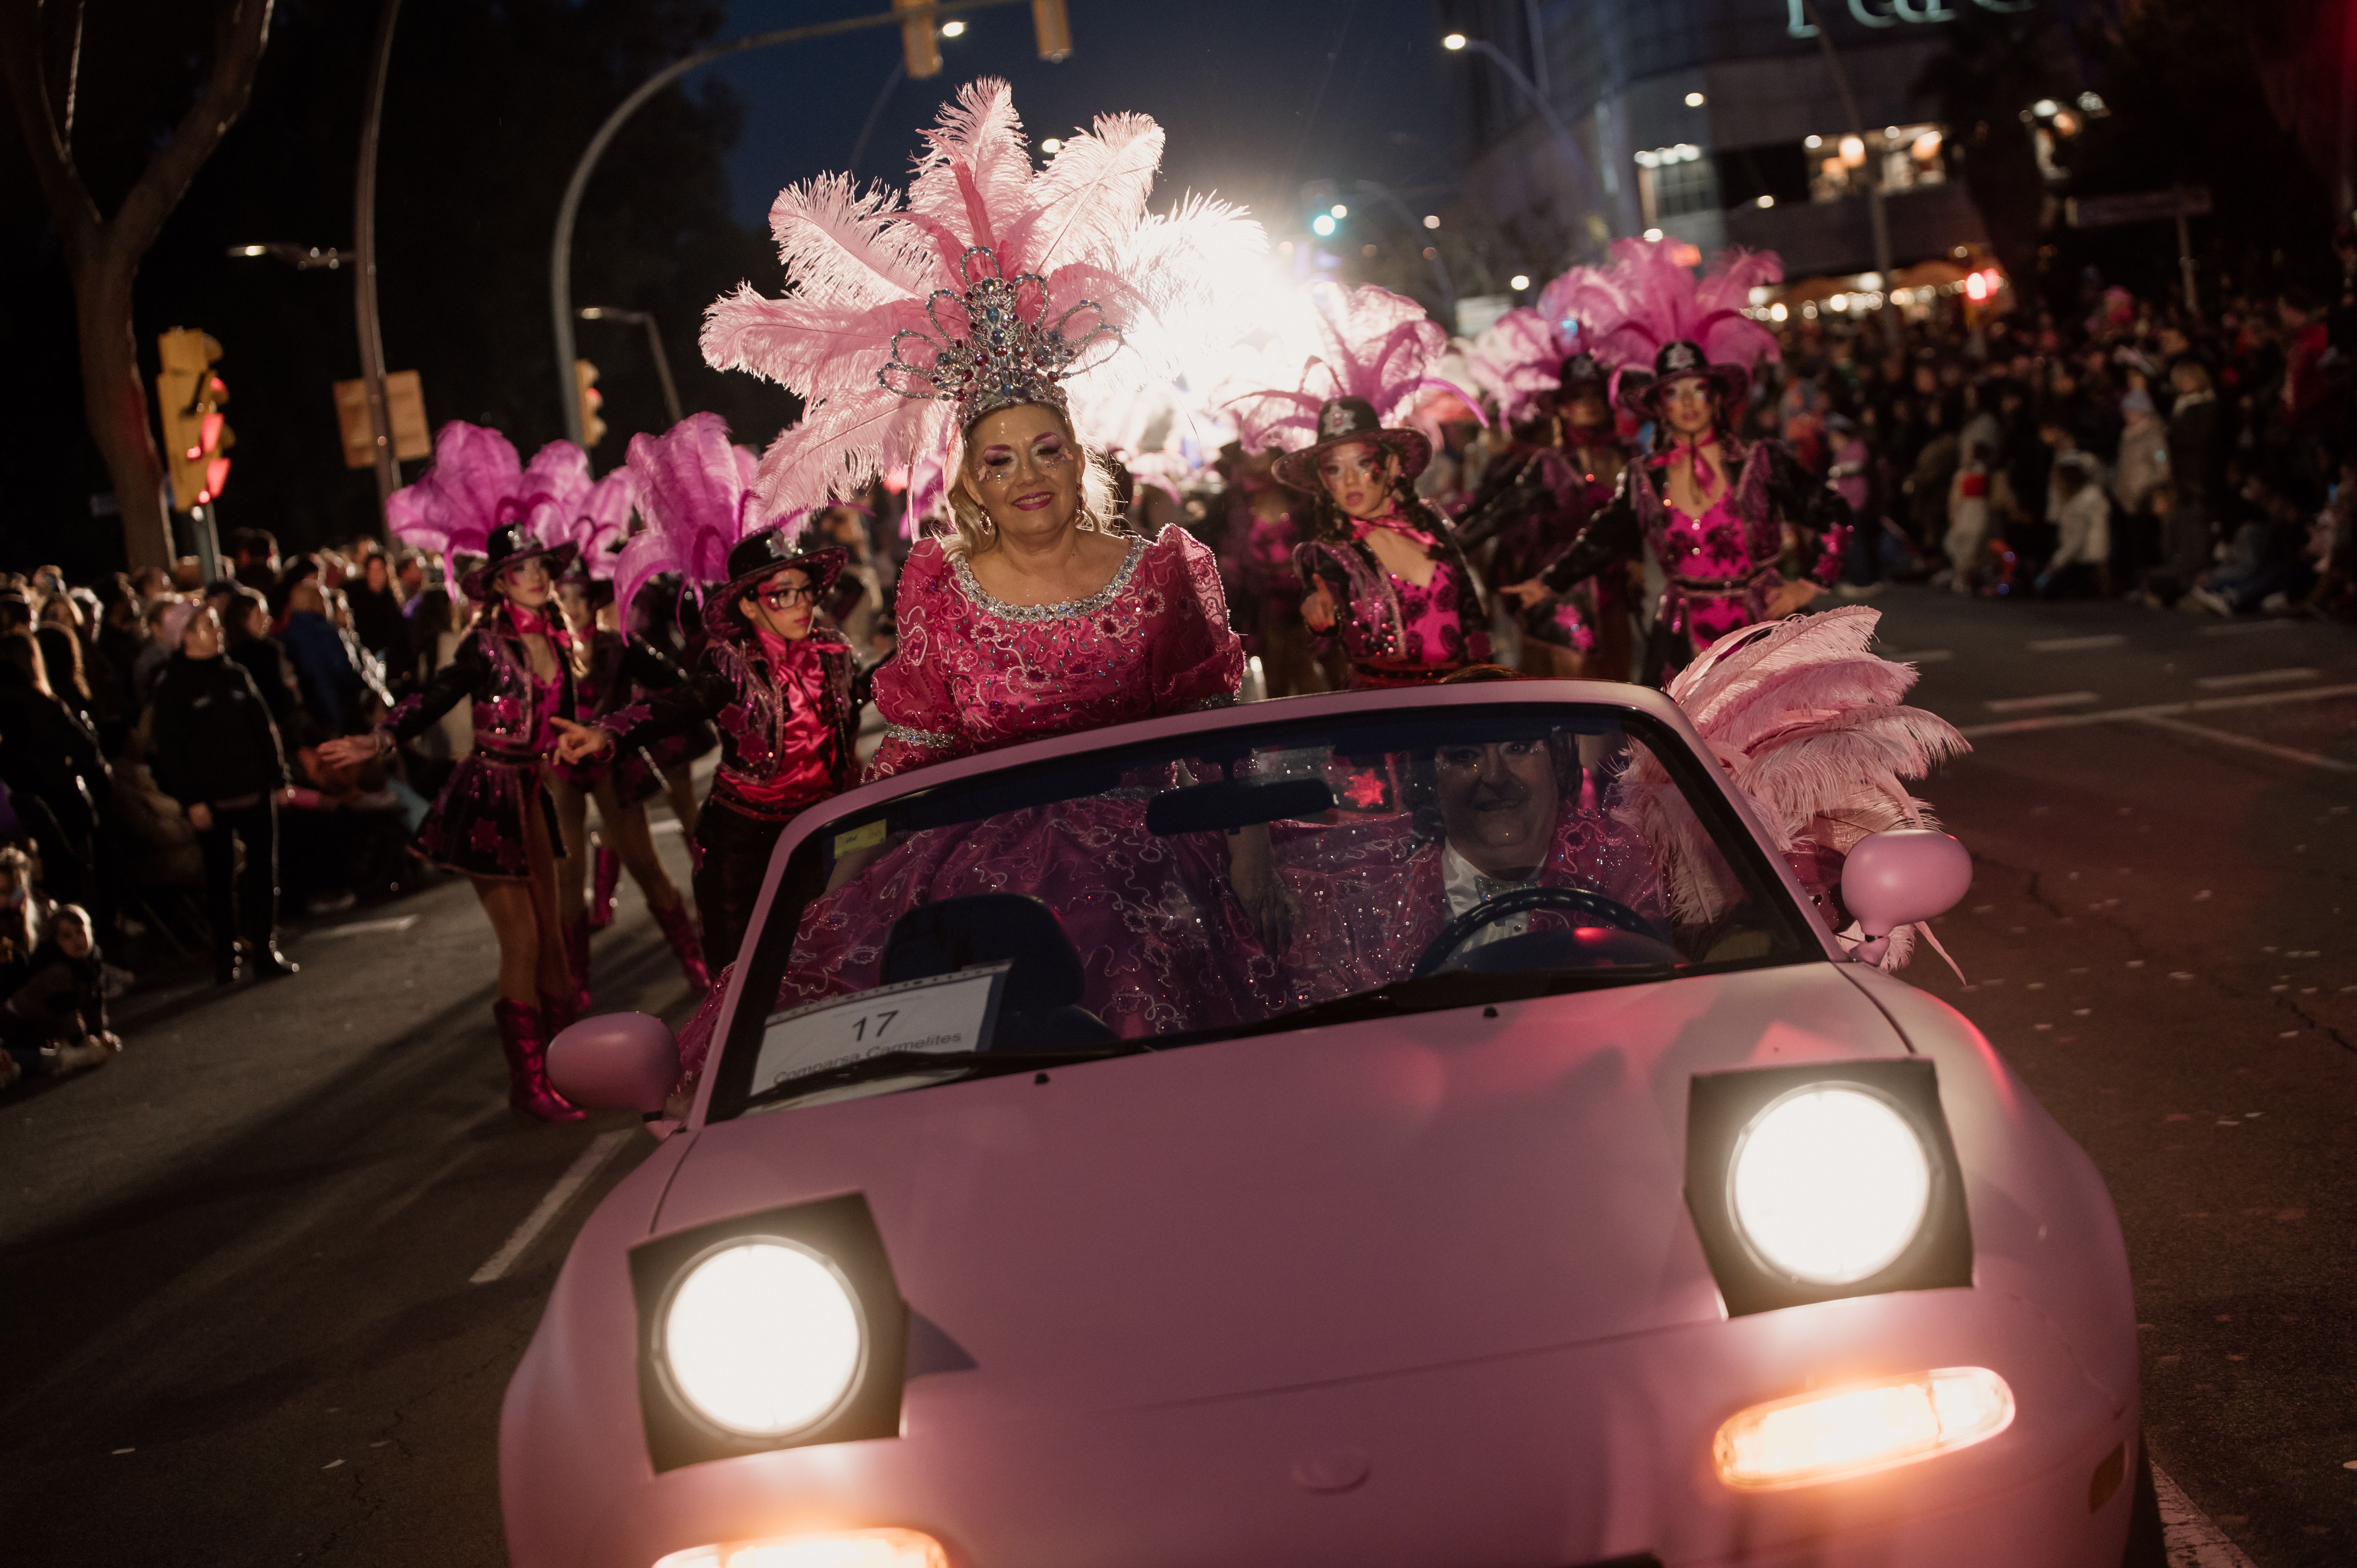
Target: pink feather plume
x,y
1365,342
476,484
1645,299
692,490
1808,721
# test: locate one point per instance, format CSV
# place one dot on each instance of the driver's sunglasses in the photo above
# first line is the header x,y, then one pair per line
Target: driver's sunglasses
x,y
780,598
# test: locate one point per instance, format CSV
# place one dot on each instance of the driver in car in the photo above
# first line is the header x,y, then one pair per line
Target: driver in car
x,y
1495,818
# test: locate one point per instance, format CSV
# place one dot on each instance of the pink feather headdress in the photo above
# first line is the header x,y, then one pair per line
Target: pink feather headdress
x,y
601,522
1518,362
1366,343
694,490
886,328
475,485
1645,300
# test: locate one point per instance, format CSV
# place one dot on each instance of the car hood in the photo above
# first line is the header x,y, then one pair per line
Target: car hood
x,y
1291,1208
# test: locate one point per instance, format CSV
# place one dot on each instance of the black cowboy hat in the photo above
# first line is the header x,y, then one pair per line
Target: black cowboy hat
x,y
1347,418
511,545
758,557
1680,358
1582,371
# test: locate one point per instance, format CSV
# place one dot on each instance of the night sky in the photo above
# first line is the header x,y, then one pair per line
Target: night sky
x,y
1235,83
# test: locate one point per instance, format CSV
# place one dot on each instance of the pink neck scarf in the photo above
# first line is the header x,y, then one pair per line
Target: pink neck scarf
x,y
1361,527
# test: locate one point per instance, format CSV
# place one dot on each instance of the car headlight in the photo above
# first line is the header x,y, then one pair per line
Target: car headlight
x,y
762,1336
779,1329
1829,1183
1824,1180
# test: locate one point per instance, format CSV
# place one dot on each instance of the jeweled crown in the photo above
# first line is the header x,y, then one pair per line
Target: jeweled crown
x,y
1006,350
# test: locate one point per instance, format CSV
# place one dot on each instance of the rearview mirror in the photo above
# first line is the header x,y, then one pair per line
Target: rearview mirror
x,y
616,1062
1896,878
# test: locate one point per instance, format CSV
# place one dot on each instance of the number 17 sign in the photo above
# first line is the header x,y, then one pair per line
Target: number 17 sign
x,y
938,1014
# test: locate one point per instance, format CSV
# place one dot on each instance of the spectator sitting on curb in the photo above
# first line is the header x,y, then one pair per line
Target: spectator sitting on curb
x,y
55,1021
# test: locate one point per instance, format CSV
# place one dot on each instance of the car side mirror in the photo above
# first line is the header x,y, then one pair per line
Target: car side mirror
x,y
1896,878
616,1062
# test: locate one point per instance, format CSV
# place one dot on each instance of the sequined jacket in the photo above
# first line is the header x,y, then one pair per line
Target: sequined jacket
x,y
783,743
1771,488
1370,624
491,667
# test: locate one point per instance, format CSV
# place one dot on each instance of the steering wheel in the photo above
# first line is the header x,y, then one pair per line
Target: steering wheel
x,y
1521,901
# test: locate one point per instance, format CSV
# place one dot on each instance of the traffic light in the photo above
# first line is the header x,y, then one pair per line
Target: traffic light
x,y
920,46
585,383
197,435
1052,28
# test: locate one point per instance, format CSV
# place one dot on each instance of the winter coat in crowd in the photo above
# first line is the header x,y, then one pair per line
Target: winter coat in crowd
x,y
377,624
62,999
265,660
2197,452
326,671
2084,524
2143,463
212,738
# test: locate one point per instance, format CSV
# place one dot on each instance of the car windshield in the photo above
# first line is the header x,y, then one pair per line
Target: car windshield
x,y
1250,880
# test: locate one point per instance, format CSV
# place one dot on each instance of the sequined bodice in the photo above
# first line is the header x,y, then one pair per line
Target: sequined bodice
x,y
974,671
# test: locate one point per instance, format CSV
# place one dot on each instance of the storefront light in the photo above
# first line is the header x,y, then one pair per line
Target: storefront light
x,y
1763,201
1852,151
1695,101
1653,233
1813,143
1838,302
1777,312
1927,146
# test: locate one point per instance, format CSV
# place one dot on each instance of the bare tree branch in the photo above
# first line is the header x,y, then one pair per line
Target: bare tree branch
x,y
243,31
77,216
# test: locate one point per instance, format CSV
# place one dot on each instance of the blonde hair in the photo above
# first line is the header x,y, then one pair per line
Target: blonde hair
x,y
972,530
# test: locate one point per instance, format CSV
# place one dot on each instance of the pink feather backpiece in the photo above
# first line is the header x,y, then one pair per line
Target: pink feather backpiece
x,y
860,267
694,492
1518,362
1807,720
475,485
1364,342
1645,299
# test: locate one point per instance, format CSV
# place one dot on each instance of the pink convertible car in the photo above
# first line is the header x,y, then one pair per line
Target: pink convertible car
x,y
1428,1129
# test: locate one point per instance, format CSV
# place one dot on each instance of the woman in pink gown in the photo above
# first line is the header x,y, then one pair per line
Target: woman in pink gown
x,y
1037,614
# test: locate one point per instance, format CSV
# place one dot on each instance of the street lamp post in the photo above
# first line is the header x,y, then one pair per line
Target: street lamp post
x,y
371,332
1457,43
654,344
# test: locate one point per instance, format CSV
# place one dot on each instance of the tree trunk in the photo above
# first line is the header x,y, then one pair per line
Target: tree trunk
x,y
114,404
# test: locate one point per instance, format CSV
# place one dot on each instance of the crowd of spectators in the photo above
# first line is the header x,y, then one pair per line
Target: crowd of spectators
x,y
2200,460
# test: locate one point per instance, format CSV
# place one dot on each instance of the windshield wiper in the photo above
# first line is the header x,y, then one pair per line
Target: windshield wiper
x,y
902,1064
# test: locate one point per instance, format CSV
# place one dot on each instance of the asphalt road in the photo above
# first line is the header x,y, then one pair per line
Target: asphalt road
x,y
235,1265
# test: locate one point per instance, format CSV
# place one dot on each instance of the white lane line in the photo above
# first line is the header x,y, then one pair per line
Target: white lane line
x,y
2077,644
1926,656
2186,1535
2051,699
2114,715
576,1176
363,928
2228,738
2245,627
2255,678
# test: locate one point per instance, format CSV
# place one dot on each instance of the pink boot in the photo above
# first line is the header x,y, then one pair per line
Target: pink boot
x,y
679,927
605,876
576,960
523,1035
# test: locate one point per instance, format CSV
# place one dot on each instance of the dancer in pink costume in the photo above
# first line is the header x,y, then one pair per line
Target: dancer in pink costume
x,y
1382,573
610,670
958,328
1712,511
780,685
494,820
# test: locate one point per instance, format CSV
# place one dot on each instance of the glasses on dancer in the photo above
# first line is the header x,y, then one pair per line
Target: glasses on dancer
x,y
783,598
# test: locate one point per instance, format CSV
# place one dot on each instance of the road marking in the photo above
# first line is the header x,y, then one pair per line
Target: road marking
x,y
2189,1537
2245,627
2077,644
2051,699
2227,737
664,825
2255,678
1926,656
576,1176
2114,715
363,928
